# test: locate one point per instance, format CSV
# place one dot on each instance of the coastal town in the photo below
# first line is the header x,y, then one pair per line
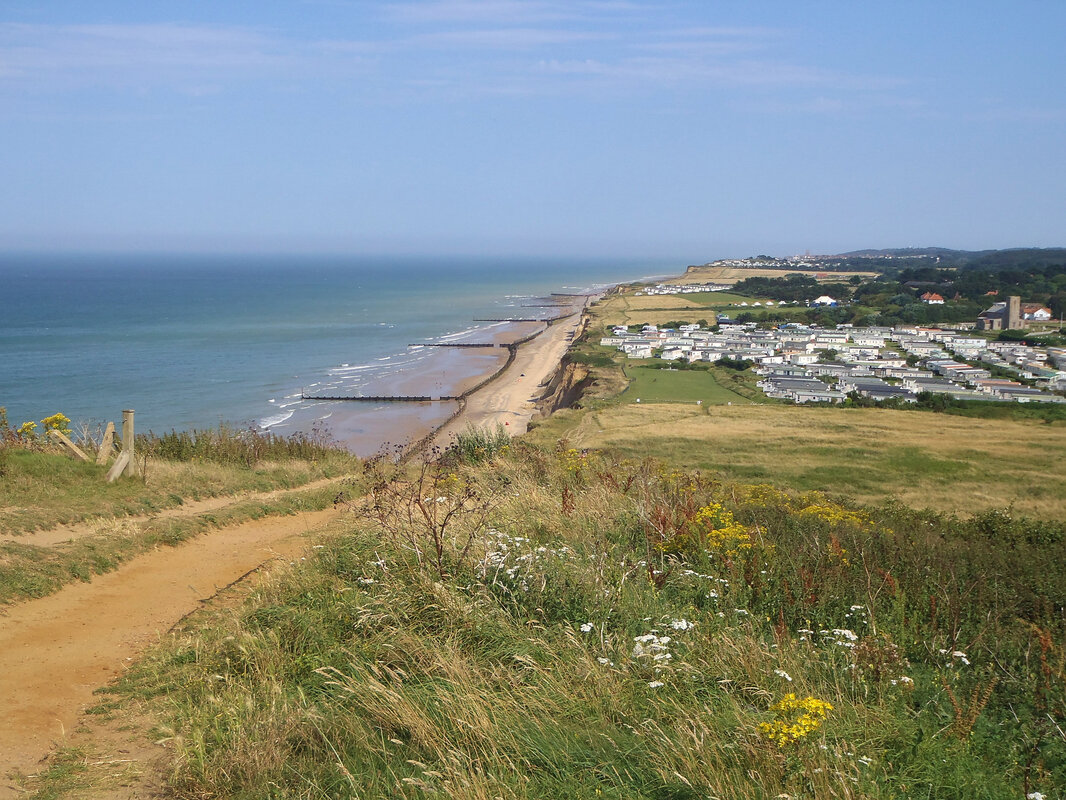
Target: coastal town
x,y
809,364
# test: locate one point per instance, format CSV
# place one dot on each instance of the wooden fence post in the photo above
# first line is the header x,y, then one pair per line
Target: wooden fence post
x,y
64,440
107,445
127,441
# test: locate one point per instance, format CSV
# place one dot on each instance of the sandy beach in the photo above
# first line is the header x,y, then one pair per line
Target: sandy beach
x,y
510,399
495,387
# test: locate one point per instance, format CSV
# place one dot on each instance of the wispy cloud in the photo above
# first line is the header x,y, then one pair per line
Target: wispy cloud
x,y
504,38
133,53
505,12
192,59
448,48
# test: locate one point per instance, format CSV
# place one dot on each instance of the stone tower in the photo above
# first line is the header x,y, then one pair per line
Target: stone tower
x,y
1013,318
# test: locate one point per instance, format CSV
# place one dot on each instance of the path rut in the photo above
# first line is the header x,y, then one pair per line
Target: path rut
x,y
55,651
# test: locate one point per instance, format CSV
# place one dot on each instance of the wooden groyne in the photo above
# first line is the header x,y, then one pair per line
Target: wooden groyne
x,y
367,398
456,344
515,319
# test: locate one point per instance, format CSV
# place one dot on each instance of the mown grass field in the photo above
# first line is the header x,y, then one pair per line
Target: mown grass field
x,y
651,385
924,460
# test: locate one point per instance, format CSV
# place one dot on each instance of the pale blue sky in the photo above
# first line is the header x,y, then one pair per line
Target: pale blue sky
x,y
680,129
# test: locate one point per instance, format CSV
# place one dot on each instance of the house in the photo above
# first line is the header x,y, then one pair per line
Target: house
x,y
1035,311
818,396
932,298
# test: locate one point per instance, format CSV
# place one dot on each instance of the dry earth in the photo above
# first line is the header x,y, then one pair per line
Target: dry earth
x,y
55,651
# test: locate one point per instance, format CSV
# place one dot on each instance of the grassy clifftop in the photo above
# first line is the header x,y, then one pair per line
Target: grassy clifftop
x,y
552,623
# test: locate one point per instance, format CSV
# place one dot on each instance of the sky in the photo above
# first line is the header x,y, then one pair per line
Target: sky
x,y
689,129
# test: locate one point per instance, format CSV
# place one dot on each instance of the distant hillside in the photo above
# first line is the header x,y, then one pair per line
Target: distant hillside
x,y
1013,258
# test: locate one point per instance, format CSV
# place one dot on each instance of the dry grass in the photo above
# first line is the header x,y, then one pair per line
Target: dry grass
x,y
626,309
946,463
657,302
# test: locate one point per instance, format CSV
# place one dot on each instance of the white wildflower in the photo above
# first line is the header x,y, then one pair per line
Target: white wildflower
x,y
587,627
655,684
782,674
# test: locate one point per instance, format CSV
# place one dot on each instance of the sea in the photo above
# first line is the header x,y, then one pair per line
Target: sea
x,y
191,342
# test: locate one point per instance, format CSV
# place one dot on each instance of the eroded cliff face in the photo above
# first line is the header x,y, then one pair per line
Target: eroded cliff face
x,y
565,388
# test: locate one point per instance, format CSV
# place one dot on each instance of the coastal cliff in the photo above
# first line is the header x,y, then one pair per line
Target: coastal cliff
x,y
565,388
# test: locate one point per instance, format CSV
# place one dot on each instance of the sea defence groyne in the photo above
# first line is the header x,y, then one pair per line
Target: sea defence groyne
x,y
460,400
382,398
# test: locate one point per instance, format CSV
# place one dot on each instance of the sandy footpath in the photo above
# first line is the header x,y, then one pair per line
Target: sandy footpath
x,y
510,400
56,650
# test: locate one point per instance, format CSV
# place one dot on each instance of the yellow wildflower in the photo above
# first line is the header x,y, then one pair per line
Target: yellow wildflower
x,y
795,719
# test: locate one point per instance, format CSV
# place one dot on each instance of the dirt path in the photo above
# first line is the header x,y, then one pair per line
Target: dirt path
x,y
56,650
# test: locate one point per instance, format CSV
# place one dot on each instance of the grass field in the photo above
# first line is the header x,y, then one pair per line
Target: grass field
x,y
626,309
924,460
651,385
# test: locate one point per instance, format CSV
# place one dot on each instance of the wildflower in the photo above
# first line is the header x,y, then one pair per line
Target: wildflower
x,y
681,624
655,684
782,674
57,422
795,719
587,627
1034,796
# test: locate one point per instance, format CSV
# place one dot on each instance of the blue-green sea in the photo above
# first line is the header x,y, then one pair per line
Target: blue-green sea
x,y
191,341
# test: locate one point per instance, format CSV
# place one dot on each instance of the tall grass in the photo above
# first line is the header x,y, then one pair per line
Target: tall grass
x,y
622,629
227,445
475,445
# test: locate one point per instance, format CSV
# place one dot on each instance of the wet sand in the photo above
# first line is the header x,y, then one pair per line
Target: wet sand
x,y
370,428
511,399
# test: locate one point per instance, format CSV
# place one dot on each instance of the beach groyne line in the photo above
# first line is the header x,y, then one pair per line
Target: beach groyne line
x,y
512,352
517,319
456,344
460,401
367,398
